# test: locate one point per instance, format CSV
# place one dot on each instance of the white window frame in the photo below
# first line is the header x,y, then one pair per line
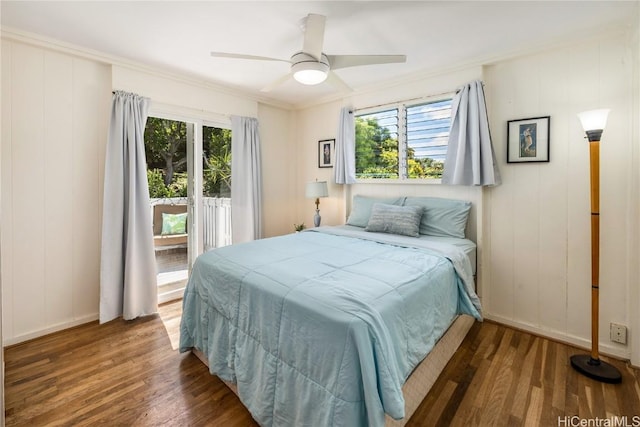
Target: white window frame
x,y
401,106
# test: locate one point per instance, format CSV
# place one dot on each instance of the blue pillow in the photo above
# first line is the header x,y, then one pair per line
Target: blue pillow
x,y
361,208
393,219
442,217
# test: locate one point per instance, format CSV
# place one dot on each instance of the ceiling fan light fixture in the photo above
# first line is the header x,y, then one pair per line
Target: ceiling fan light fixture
x,y
310,66
308,70
310,73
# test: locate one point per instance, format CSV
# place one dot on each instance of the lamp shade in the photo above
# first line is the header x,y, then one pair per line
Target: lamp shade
x,y
316,189
594,119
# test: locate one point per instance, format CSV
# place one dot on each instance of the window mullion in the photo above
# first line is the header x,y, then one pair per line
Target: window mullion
x,y
402,142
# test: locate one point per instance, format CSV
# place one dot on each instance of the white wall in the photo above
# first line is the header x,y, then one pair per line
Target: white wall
x,y
278,169
181,96
321,122
55,113
537,226
313,125
54,127
3,135
634,200
535,256
534,244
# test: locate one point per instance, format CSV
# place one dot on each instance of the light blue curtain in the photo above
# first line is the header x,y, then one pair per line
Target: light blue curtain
x,y
127,267
345,162
246,180
470,157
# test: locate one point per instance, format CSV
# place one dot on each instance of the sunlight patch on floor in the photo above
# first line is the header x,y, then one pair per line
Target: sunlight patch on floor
x,y
170,314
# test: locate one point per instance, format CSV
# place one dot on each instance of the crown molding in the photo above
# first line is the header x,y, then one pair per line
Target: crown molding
x,y
488,60
37,40
59,46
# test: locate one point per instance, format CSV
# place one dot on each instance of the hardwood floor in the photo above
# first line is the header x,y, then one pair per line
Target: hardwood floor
x,y
130,373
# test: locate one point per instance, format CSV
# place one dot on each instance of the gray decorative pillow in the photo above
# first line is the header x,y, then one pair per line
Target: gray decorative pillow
x,y
394,219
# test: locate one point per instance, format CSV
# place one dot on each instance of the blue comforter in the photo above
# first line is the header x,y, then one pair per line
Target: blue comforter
x,y
322,328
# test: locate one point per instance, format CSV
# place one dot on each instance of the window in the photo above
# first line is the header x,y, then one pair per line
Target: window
x,y
216,158
165,143
377,145
407,141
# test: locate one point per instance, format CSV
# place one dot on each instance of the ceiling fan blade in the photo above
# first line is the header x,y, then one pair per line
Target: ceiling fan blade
x,y
338,83
314,35
344,61
274,84
241,56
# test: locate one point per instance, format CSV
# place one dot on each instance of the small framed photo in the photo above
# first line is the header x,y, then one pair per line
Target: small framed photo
x,y
326,152
528,140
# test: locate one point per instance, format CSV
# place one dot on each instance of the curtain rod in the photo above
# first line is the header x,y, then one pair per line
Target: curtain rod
x,y
411,99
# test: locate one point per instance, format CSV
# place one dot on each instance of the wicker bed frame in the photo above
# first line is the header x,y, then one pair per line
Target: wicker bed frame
x,y
423,376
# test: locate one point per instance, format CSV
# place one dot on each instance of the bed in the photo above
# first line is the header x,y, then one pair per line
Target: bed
x,y
328,327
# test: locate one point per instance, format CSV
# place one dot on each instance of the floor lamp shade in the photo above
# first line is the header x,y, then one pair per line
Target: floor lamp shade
x,y
316,190
593,123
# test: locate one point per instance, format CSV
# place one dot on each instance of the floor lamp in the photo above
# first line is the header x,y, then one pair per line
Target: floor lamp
x,y
593,123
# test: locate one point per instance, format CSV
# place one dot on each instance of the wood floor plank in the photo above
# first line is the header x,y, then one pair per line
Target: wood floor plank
x,y
534,409
441,402
130,373
523,391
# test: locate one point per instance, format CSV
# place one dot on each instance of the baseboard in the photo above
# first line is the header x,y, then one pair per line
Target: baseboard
x,y
170,296
7,341
582,343
55,328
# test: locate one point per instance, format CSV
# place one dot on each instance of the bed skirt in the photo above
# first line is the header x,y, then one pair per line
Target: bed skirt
x,y
423,377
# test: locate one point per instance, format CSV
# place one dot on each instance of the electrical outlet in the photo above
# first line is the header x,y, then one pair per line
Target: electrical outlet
x,y
618,333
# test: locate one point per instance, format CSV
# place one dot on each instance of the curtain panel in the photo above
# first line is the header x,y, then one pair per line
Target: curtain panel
x,y
246,180
345,161
127,268
470,157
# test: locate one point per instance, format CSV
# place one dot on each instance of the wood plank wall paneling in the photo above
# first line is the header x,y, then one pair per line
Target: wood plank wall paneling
x,y
538,251
58,199
27,193
54,117
130,373
91,92
6,181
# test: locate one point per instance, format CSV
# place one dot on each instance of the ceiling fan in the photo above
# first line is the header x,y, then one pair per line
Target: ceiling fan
x,y
311,66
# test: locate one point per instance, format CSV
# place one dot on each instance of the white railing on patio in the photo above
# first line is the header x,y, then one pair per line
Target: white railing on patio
x,y
216,224
216,218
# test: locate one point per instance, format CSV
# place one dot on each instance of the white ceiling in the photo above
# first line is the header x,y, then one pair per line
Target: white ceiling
x,y
178,35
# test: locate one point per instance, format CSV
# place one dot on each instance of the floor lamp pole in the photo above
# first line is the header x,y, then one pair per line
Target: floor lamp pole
x,y
591,365
594,162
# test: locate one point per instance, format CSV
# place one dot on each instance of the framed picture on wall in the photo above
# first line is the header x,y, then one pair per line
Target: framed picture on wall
x,y
528,140
326,152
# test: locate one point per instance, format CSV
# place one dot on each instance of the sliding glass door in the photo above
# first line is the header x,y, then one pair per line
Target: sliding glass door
x,y
216,188
189,173
168,144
